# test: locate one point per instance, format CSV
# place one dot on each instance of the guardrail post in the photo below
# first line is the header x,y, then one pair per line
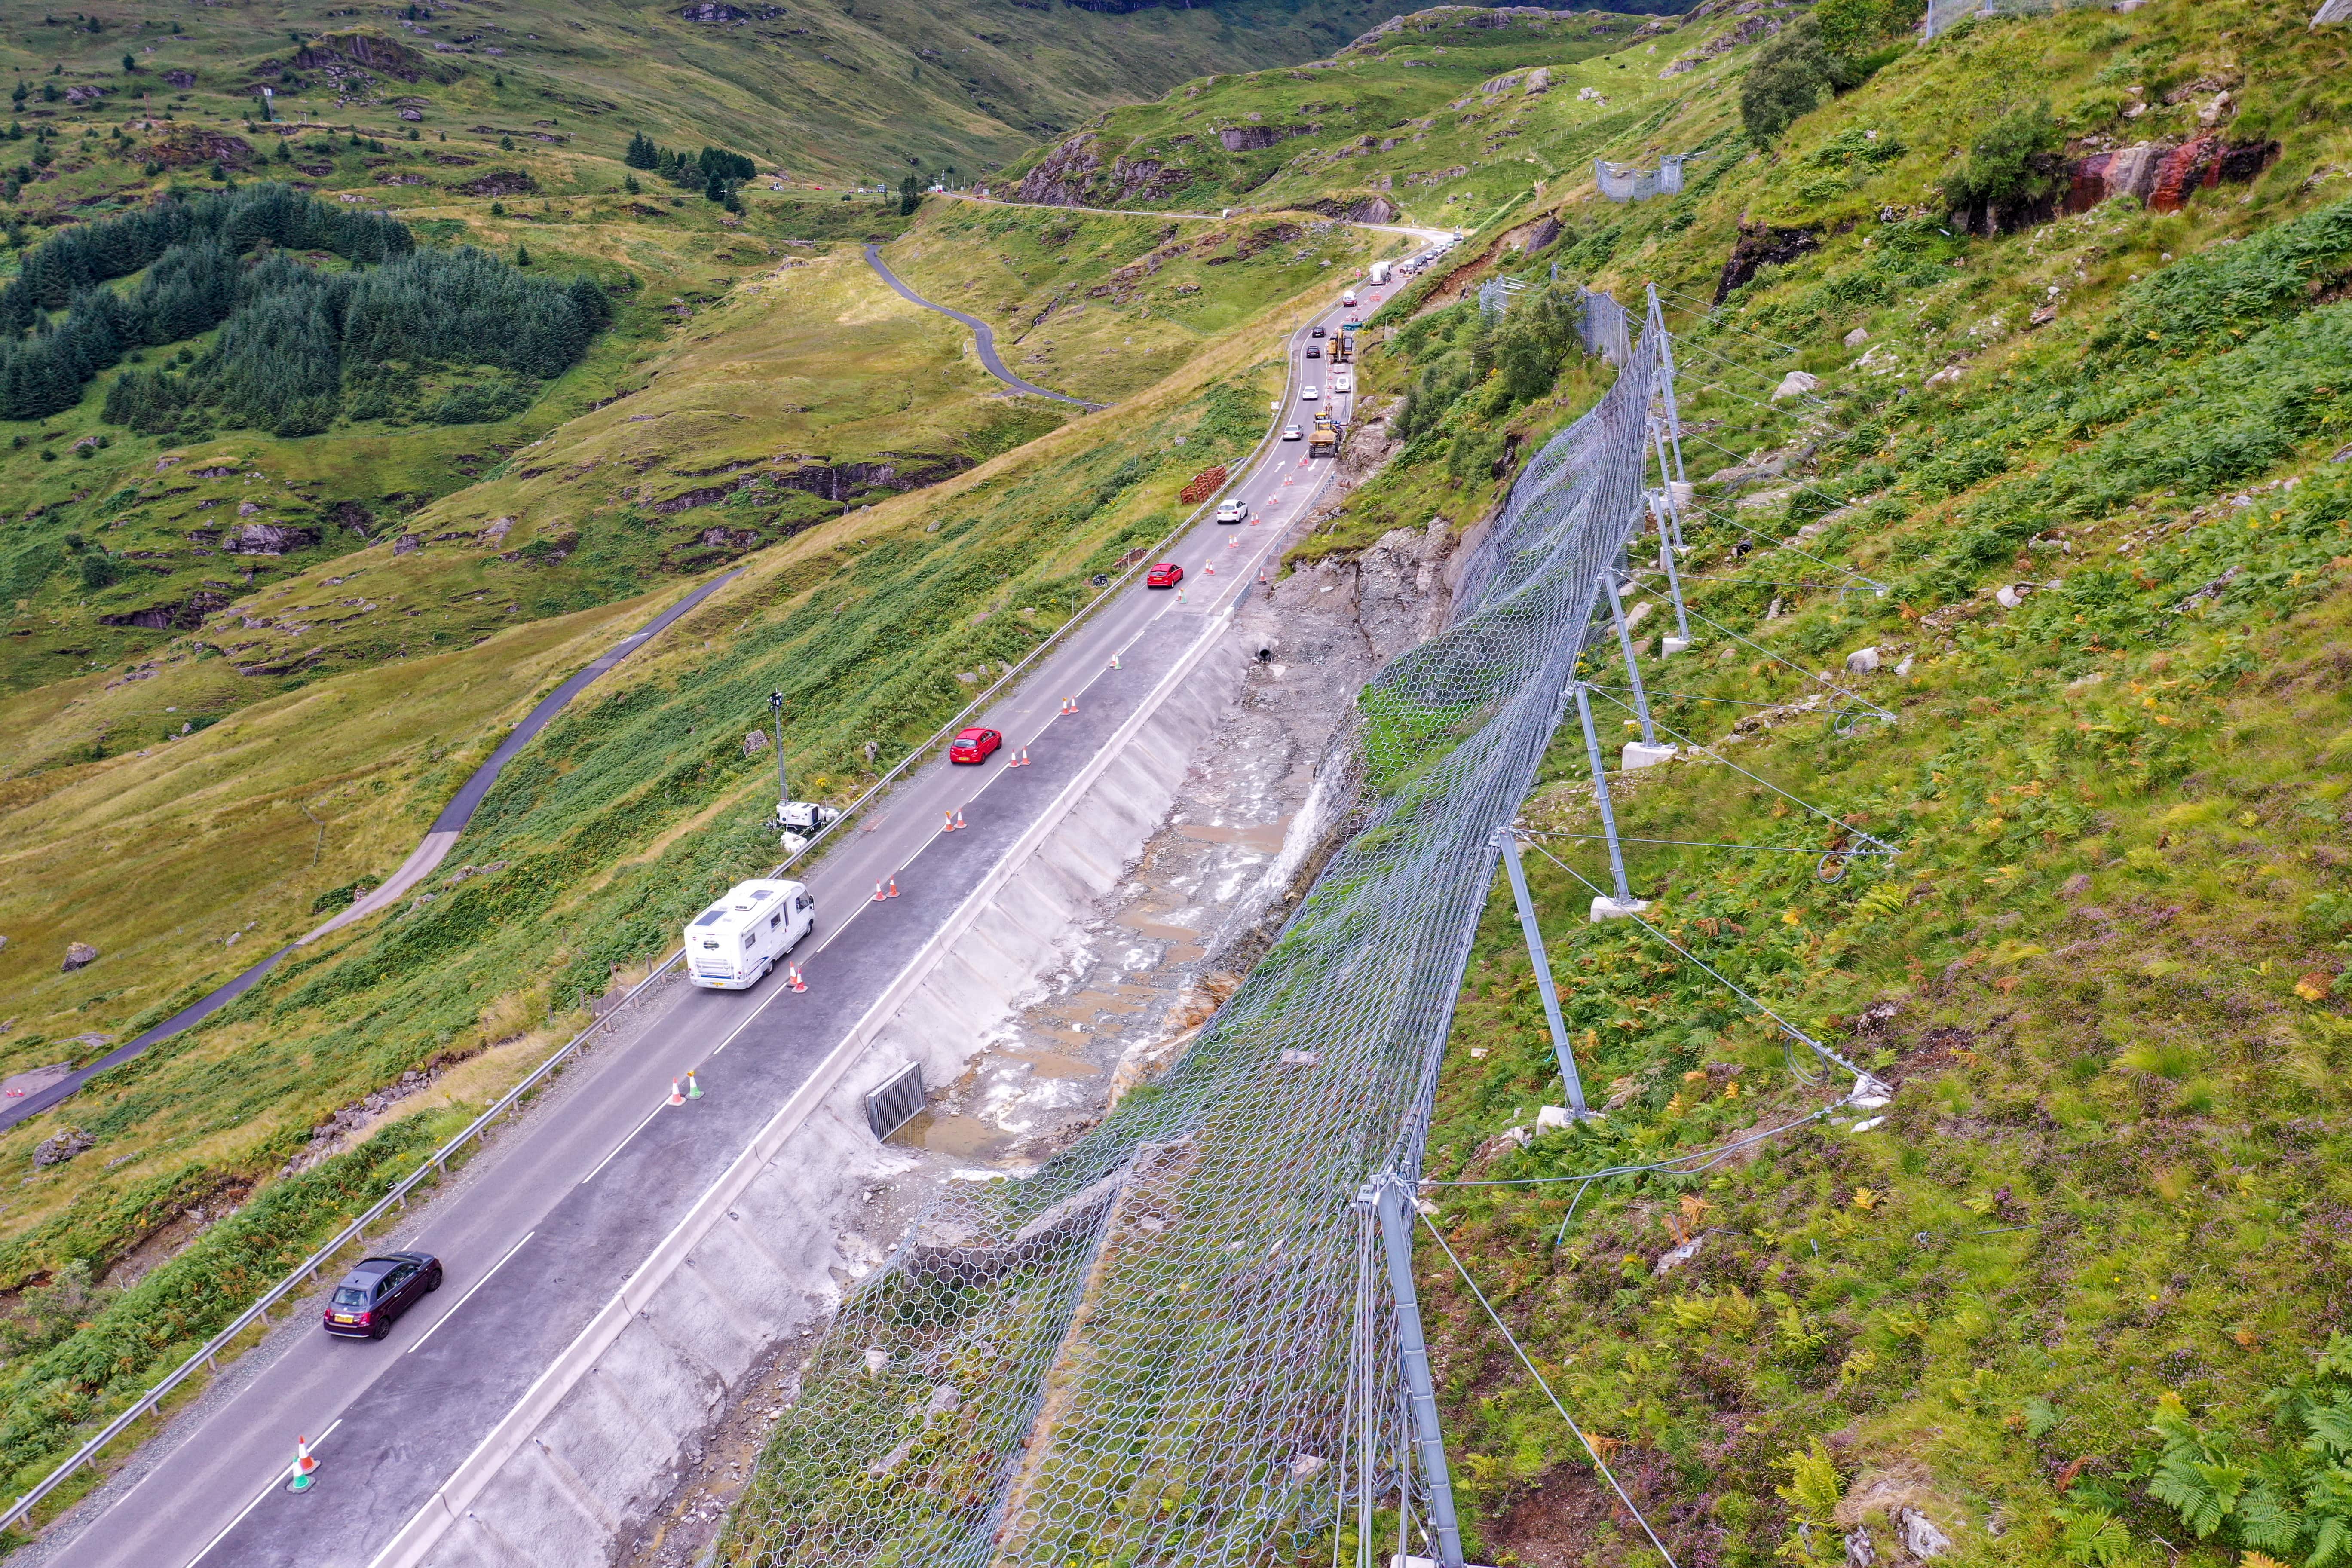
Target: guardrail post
x,y
1392,1196
1549,992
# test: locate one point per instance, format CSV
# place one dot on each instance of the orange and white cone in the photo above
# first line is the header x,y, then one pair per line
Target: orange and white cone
x,y
1114,661
1070,704
959,817
1020,758
677,1095
948,826
792,981
305,1467
879,894
894,888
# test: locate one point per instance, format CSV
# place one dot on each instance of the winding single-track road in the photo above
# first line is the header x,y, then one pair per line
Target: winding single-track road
x,y
983,335
419,865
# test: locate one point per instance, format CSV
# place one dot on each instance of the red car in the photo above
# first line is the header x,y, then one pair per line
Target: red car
x,y
973,745
1167,574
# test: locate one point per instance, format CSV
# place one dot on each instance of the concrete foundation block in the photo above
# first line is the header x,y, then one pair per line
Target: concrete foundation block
x,y
1639,754
1609,909
1668,646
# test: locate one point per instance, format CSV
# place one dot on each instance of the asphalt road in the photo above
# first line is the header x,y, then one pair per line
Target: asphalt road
x,y
577,1201
452,818
983,335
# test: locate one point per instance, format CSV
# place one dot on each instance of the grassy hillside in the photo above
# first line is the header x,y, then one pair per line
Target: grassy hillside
x,y
2075,1298
1441,116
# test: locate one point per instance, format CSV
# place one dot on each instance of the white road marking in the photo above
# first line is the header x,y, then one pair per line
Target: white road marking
x,y
268,1486
640,1127
469,1296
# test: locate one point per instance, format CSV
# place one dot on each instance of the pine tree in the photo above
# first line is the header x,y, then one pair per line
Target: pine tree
x,y
642,152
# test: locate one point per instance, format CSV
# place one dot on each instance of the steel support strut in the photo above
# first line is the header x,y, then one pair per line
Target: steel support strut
x,y
1393,1196
1601,794
1626,647
1544,984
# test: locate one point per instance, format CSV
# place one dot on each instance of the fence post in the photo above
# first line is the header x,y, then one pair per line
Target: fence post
x,y
1601,794
1393,1196
1551,993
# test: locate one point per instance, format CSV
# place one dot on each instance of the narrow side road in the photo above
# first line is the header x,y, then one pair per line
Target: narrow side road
x,y
415,868
983,335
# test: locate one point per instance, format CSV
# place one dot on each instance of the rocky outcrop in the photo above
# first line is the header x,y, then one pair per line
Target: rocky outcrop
x,y
2163,174
1253,138
79,955
185,615
59,1147
1400,592
1061,176
714,11
336,52
183,146
502,183
268,539
1358,209
1546,231
1760,245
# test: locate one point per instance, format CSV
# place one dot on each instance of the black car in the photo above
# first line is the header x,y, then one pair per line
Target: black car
x,y
1318,333
378,1291
1314,353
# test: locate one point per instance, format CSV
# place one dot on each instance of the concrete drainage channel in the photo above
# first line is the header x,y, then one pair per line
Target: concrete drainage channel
x,y
1077,975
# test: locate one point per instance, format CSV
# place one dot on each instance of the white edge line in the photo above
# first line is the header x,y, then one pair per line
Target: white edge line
x,y
624,1144
267,1486
416,1538
469,1296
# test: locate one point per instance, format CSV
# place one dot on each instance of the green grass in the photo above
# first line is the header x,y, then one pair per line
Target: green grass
x,y
2091,1248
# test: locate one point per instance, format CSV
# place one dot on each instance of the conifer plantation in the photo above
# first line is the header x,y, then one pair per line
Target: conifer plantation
x,y
299,344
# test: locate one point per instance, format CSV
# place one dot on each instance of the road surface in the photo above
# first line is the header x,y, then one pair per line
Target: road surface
x,y
537,1243
438,842
983,335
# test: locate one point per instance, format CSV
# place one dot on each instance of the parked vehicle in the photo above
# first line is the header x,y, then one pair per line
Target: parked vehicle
x,y
1293,433
973,745
735,942
378,1291
1167,574
1326,440
1343,382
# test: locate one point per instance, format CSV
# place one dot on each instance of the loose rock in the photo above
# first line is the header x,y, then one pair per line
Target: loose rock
x,y
80,955
1796,383
60,1147
1862,661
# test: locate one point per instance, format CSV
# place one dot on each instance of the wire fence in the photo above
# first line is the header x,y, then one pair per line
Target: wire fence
x,y
1165,1347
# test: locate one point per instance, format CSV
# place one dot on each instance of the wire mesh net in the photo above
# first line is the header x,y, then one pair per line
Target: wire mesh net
x,y
1163,1348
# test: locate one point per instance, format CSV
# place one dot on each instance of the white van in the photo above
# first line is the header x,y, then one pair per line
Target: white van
x,y
1342,382
732,944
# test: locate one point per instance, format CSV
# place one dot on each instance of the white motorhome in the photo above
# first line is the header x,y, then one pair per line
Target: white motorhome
x,y
1379,273
736,941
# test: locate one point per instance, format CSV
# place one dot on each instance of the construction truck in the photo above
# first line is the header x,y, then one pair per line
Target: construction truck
x,y
1323,441
1343,348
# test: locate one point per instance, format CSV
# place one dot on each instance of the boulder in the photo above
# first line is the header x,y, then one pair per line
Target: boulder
x,y
1920,1537
1856,338
1862,661
59,1147
1796,383
79,955
754,742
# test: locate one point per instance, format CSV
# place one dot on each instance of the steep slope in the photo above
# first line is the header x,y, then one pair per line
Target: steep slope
x,y
2066,294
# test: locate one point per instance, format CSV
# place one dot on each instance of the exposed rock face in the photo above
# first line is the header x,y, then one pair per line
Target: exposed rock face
x,y
268,539
1061,174
1759,245
1401,599
79,955
2162,173
1546,230
1361,209
182,79
369,49
1251,137
183,146
56,1149
714,11
502,183
185,615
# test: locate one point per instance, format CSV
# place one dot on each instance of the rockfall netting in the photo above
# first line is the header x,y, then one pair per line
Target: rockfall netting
x,y
1167,1347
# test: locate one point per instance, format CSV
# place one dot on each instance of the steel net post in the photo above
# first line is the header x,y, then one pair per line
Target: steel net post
x,y
1601,792
1626,647
1393,1196
1510,843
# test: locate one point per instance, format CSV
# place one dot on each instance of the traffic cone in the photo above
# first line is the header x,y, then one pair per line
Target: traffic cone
x,y
1210,570
1114,661
894,887
1232,545
1070,704
950,824
675,1097
693,1090
305,1469
879,894
1020,758
1179,595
